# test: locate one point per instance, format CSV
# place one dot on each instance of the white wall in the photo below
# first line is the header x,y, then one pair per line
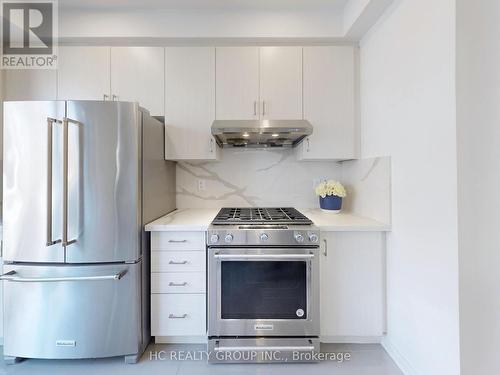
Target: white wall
x,y
478,128
199,24
408,112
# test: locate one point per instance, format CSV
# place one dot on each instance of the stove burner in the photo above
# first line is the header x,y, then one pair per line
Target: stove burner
x,y
260,216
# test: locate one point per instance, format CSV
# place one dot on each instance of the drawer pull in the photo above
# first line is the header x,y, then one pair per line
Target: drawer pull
x,y
177,241
172,316
174,284
183,262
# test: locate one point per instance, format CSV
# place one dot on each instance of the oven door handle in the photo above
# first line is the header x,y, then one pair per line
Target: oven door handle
x,y
264,256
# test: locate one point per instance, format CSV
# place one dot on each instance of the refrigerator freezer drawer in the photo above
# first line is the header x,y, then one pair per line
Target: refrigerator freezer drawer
x,y
65,311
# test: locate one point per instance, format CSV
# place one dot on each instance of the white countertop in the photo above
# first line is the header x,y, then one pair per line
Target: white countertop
x,y
345,222
198,219
186,219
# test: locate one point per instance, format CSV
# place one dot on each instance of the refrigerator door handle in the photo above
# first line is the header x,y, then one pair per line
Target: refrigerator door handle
x,y
50,125
66,121
10,276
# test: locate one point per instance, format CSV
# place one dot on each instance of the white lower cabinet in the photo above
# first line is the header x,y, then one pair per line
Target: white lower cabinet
x,y
178,314
178,287
352,286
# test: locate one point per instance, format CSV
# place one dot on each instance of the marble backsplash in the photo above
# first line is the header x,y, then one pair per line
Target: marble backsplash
x,y
368,183
247,177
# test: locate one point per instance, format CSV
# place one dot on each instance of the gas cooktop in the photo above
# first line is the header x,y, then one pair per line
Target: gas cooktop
x,y
250,216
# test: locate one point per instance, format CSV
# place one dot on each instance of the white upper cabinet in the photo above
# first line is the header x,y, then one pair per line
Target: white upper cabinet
x,y
259,83
84,73
29,84
329,103
237,83
137,75
189,103
281,83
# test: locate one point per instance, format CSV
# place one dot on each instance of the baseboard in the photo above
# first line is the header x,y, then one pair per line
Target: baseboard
x,y
398,358
180,339
350,339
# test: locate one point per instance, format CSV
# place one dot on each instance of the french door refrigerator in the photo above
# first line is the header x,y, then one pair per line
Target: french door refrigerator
x,y
80,180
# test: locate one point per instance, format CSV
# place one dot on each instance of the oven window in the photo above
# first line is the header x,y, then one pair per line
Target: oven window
x,y
263,290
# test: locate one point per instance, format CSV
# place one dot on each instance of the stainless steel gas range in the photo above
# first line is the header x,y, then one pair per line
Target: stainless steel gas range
x,y
263,285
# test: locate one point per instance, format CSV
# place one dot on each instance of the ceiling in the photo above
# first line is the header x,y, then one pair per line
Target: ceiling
x,y
204,4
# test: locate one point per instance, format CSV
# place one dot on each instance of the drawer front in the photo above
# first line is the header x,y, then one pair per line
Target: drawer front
x,y
172,241
178,315
193,282
178,261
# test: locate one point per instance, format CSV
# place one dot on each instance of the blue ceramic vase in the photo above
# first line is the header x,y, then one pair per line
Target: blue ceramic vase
x,y
330,202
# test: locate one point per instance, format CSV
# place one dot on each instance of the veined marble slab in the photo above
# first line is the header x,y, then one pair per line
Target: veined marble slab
x,y
253,178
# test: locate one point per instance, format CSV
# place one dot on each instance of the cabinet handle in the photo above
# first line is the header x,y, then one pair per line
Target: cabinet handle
x,y
177,241
177,284
211,145
105,97
308,144
325,249
263,108
255,108
183,262
172,316
115,97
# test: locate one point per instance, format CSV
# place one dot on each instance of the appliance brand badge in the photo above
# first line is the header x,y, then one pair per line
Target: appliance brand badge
x,y
263,327
300,313
65,343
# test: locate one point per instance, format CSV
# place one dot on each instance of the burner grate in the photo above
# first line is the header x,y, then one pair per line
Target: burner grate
x,y
249,215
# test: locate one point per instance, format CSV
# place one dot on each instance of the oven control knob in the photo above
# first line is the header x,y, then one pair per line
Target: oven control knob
x,y
214,238
313,237
299,237
264,237
228,238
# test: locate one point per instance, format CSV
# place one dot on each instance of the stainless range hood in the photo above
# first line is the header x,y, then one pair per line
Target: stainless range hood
x,y
260,133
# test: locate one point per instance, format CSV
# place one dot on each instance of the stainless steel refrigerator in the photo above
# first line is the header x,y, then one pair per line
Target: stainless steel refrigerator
x,y
80,180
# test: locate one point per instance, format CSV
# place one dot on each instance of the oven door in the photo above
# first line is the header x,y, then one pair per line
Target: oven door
x,y
263,292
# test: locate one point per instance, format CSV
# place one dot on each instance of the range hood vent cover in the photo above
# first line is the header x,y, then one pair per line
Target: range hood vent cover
x,y
260,133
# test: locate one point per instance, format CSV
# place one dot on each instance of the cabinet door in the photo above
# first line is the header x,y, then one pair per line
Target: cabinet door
x,y
83,73
189,103
329,103
137,75
352,286
30,84
281,83
237,83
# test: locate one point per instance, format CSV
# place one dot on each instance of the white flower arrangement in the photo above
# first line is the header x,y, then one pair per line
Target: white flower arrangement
x,y
330,187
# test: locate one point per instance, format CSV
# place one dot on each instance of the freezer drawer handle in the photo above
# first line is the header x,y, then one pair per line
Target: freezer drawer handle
x,y
50,127
183,262
172,316
9,276
177,241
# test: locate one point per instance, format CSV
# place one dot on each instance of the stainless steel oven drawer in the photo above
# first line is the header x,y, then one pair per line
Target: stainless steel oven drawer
x,y
66,311
263,350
